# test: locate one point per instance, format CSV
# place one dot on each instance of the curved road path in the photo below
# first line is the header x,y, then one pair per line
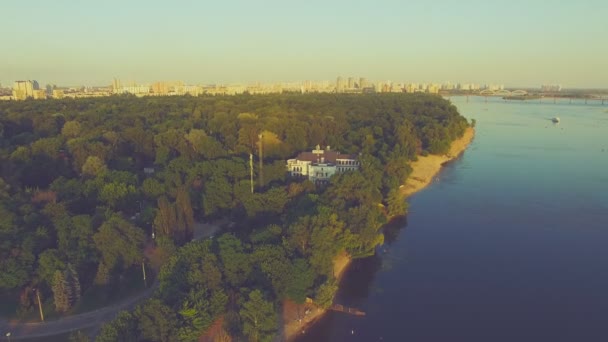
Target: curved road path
x,y
21,330
84,320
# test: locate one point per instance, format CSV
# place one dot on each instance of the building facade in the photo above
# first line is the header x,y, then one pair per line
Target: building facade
x,y
39,94
320,165
24,89
58,94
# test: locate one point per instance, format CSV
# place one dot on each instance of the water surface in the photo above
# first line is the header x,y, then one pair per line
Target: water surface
x,y
510,243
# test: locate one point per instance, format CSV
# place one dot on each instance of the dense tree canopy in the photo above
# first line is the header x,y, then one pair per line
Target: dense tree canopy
x,y
86,183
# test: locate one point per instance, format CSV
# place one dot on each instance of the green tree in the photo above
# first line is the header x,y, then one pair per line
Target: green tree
x,y
301,281
166,219
93,166
156,321
119,243
62,295
326,293
71,129
73,282
217,195
123,328
49,262
275,265
198,311
153,188
116,193
299,235
396,203
204,145
327,240
66,289
237,265
185,214
75,239
259,318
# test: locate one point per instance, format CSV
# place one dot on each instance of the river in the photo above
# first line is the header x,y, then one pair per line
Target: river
x,y
509,243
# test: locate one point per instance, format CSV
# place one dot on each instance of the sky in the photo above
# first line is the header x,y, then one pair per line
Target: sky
x,y
510,42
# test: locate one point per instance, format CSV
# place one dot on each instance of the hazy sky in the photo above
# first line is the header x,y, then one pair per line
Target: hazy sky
x,y
511,42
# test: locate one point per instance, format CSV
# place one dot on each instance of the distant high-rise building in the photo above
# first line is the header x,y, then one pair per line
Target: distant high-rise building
x,y
396,87
363,83
161,88
116,86
447,86
50,88
465,86
494,87
24,89
58,94
433,88
340,85
551,87
351,83
192,90
136,89
39,94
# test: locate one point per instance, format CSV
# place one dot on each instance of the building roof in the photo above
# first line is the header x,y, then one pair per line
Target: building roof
x,y
329,156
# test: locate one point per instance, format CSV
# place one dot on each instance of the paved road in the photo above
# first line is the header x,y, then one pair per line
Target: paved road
x,y
70,323
20,330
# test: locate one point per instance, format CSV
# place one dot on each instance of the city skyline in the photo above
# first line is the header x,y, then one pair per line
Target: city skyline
x,y
349,82
25,89
517,44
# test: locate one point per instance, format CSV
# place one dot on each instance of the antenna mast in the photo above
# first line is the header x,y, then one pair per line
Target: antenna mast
x,y
251,171
261,160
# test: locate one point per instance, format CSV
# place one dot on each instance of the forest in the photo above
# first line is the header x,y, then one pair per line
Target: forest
x,y
92,190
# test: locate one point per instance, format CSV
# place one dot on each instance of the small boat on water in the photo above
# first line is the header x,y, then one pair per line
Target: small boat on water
x,y
555,120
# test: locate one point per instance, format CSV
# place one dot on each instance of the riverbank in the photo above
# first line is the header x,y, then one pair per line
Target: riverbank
x,y
297,318
426,167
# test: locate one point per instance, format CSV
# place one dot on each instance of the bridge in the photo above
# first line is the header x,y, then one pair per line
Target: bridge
x,y
603,99
503,92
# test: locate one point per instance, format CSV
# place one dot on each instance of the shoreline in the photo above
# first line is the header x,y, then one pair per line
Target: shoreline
x,y
426,168
294,328
423,172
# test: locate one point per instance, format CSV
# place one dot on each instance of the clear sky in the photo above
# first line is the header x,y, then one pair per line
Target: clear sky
x,y
511,42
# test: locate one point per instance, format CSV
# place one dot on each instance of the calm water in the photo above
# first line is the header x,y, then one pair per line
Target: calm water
x,y
510,243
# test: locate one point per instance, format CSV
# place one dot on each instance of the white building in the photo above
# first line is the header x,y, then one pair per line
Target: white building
x,y
319,165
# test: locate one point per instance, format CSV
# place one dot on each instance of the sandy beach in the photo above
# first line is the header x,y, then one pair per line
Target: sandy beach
x,y
425,168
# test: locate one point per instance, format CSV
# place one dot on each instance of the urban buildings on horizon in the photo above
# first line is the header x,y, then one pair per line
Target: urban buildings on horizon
x,y
25,89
